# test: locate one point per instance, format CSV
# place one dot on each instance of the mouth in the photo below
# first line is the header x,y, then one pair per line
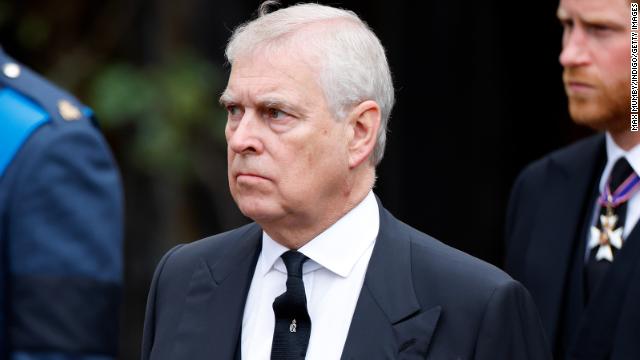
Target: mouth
x,y
578,87
248,176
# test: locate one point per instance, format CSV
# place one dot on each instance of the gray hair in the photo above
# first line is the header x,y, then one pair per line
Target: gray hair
x,y
352,61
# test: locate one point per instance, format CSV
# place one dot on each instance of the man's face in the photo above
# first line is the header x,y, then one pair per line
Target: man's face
x,y
595,56
287,155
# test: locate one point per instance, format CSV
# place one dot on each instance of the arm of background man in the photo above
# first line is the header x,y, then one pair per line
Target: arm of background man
x,y
150,315
511,327
65,247
520,217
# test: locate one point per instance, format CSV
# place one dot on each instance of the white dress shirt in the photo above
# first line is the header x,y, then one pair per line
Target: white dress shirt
x,y
614,152
333,277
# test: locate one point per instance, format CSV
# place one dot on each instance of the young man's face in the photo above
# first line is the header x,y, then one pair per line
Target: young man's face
x,y
596,60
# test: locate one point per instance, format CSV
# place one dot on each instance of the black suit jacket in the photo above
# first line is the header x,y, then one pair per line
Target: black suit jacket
x,y
549,215
420,299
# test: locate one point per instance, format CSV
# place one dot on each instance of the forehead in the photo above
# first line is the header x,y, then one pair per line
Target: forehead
x,y
595,10
279,73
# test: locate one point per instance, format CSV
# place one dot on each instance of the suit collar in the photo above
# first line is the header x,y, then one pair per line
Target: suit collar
x,y
214,305
615,152
353,234
245,246
572,176
388,302
389,277
578,159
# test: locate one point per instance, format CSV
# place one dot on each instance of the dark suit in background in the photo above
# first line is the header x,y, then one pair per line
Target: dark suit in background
x,y
548,222
553,202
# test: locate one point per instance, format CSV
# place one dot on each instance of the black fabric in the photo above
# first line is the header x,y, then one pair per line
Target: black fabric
x,y
293,325
608,315
573,301
595,270
419,296
550,213
620,172
51,313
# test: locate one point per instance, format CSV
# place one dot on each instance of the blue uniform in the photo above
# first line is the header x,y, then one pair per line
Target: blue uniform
x,y
61,215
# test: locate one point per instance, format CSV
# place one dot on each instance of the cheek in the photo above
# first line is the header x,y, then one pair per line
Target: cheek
x,y
312,159
616,61
227,132
616,73
230,157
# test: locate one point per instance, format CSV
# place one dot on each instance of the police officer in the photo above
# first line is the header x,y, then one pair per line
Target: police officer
x,y
61,214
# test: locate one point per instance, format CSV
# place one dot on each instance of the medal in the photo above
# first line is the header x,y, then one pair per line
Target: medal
x,y
607,236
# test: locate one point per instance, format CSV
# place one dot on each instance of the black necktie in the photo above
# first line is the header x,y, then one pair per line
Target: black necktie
x,y
596,269
293,325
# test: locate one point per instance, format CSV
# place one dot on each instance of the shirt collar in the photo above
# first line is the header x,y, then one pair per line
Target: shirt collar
x,y
339,247
615,152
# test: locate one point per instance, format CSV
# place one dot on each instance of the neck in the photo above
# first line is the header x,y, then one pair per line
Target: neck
x,y
300,232
625,139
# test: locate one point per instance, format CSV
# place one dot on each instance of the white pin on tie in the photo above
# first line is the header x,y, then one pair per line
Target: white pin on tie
x,y
292,327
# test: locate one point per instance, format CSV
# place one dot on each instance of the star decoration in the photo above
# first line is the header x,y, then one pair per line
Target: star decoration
x,y
606,238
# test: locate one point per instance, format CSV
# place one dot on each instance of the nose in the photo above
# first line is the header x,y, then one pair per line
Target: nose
x,y
244,137
575,50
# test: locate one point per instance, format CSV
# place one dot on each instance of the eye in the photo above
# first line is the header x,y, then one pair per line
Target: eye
x,y
234,111
278,120
567,24
276,114
598,29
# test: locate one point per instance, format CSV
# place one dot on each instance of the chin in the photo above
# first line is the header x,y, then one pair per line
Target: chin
x,y
589,115
256,210
593,123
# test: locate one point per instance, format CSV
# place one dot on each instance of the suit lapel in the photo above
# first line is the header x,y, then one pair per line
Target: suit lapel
x,y
564,205
214,305
388,321
626,344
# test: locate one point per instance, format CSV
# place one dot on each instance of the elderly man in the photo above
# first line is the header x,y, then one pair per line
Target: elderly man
x,y
572,237
325,272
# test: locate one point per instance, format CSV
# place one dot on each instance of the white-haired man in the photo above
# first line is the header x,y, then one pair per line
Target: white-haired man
x,y
325,272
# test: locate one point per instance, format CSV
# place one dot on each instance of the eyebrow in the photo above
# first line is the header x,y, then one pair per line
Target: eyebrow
x,y
225,98
275,102
266,102
590,19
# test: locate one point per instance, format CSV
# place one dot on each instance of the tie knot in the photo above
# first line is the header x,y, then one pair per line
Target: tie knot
x,y
621,171
293,260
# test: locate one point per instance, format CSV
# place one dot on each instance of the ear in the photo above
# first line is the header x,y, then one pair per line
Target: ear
x,y
364,122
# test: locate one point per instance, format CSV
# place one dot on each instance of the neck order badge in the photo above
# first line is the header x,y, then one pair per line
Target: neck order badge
x,y
608,236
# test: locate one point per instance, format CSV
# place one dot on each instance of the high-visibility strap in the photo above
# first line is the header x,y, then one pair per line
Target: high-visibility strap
x,y
19,117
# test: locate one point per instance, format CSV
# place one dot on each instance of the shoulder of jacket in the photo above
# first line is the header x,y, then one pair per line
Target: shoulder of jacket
x,y
39,93
563,159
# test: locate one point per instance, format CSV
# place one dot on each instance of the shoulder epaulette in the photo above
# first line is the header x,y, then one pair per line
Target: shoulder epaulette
x,y
59,104
27,101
